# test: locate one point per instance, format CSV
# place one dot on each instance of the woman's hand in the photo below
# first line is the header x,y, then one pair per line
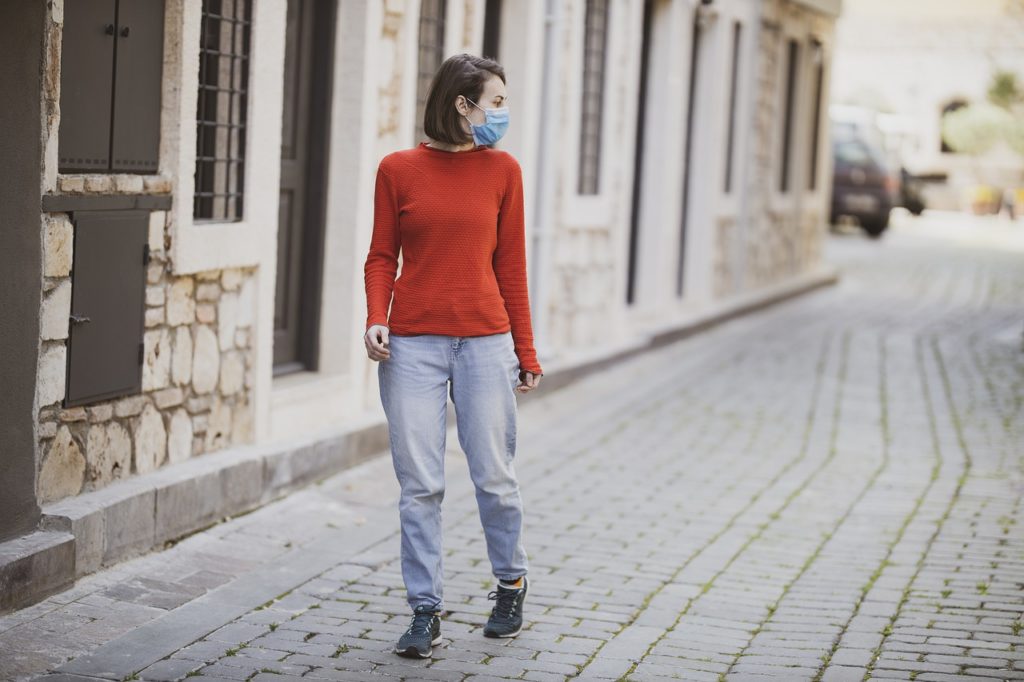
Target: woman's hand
x,y
376,340
528,381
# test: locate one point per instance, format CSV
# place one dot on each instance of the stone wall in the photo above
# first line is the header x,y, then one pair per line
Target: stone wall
x,y
781,243
726,279
584,302
196,373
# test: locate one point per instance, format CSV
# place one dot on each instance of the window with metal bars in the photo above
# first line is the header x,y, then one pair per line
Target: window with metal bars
x,y
221,113
431,54
594,43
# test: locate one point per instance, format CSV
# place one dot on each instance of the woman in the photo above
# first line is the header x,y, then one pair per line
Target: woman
x,y
459,326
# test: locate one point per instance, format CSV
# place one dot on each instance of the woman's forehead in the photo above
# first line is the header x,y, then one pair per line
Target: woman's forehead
x,y
494,88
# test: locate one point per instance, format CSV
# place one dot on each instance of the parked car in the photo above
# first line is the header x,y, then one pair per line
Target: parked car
x,y
864,184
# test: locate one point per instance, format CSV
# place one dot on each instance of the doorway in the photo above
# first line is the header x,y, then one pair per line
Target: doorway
x,y
696,37
305,132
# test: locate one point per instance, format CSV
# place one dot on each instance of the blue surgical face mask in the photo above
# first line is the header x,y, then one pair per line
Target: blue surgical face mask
x,y
494,126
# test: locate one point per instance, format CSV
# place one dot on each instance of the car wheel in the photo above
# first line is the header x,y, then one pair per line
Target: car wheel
x,y
875,228
875,225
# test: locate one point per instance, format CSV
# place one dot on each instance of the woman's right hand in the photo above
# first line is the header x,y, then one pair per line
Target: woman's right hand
x,y
376,340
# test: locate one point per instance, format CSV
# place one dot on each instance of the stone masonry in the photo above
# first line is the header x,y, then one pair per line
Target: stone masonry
x,y
196,373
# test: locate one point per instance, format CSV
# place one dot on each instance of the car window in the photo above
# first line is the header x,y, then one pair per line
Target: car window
x,y
853,152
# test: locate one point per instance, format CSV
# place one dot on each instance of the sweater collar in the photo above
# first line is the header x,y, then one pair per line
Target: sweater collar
x,y
435,150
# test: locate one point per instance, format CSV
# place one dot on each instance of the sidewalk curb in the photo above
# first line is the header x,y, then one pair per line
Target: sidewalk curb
x,y
80,535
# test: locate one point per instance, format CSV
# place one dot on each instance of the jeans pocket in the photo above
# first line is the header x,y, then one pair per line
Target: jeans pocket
x,y
513,359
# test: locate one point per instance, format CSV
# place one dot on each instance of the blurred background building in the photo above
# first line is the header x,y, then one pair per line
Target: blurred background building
x,y
189,206
912,62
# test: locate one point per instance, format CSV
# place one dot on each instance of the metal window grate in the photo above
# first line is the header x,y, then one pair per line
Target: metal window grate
x,y
594,43
221,112
431,54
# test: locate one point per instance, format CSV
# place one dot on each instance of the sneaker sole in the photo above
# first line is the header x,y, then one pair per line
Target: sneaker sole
x,y
413,652
497,635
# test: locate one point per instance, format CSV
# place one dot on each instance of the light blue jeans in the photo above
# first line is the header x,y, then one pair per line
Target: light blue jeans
x,y
480,374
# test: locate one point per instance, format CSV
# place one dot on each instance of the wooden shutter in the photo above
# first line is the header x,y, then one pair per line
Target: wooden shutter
x,y
138,77
87,53
111,73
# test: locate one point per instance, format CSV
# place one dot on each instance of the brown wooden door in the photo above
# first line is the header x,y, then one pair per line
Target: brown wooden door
x,y
309,55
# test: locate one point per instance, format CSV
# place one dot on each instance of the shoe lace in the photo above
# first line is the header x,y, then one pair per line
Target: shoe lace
x,y
421,622
506,603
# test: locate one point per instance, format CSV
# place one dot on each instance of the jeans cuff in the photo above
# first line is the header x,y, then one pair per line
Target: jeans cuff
x,y
435,606
510,580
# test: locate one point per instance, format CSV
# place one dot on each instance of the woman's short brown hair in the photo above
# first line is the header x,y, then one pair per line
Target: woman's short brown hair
x,y
461,74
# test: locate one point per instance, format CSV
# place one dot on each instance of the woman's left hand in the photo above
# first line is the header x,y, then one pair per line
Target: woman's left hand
x,y
528,381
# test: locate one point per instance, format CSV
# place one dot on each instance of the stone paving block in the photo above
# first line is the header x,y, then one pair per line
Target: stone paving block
x,y
914,665
65,677
169,670
851,657
783,671
280,667
235,633
205,651
229,672
842,673
538,676
605,669
341,663
687,663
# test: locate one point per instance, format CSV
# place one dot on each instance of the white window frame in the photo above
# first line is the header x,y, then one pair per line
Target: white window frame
x,y
587,210
214,245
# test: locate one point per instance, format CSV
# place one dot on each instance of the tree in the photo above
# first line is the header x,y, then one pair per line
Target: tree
x,y
977,127
1005,91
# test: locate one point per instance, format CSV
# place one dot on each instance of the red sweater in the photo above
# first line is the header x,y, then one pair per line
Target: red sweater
x,y
457,218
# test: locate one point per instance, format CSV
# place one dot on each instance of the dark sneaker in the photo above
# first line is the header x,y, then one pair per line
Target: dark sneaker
x,y
423,634
507,615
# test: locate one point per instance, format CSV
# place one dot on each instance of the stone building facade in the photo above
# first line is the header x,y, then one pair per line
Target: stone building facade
x,y
651,135
197,361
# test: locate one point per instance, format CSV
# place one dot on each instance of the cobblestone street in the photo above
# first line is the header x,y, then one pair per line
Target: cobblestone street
x,y
828,489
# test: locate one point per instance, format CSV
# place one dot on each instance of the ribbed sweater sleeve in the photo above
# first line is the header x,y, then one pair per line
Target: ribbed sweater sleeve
x,y
382,260
509,264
